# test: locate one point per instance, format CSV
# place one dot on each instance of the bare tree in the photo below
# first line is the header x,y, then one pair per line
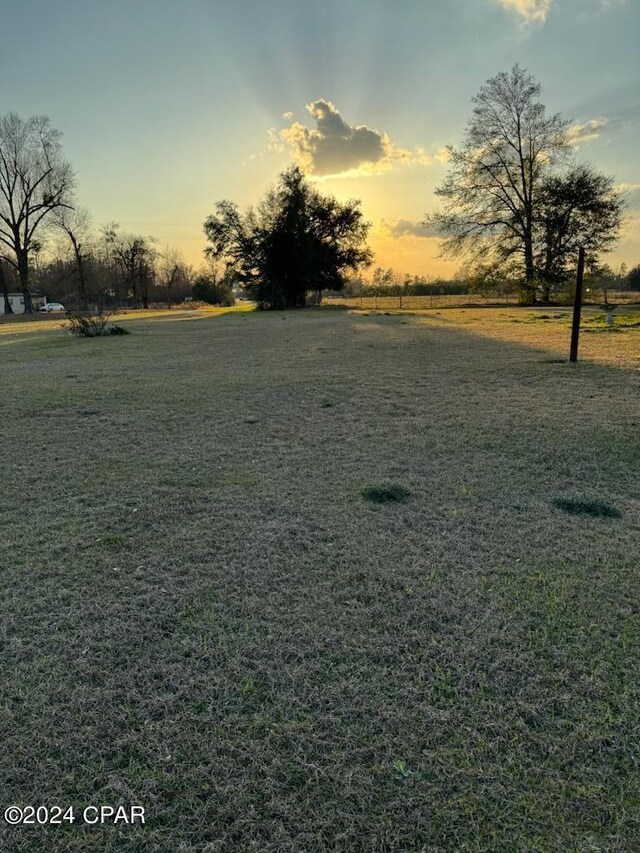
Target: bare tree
x,y
171,269
490,195
76,224
35,180
134,257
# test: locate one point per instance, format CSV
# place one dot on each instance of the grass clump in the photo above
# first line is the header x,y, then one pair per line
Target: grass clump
x,y
598,509
385,493
85,323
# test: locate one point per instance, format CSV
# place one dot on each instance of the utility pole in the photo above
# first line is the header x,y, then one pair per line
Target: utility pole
x,y
577,305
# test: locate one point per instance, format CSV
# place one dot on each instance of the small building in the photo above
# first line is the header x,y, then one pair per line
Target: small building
x,y
16,300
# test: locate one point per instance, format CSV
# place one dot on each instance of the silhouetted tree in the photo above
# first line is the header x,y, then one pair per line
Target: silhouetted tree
x,y
35,180
633,278
171,269
507,206
580,208
76,225
134,259
295,241
492,191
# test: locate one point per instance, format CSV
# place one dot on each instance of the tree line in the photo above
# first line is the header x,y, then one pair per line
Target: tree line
x,y
48,240
516,208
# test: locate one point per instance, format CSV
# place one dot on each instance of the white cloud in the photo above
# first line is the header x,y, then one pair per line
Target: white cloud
x,y
530,11
334,147
627,187
612,4
406,228
587,131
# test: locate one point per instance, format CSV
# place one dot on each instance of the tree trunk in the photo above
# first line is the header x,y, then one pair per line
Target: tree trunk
x,y
174,272
5,293
23,272
82,284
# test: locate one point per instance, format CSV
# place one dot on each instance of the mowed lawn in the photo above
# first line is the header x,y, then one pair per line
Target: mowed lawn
x,y
202,615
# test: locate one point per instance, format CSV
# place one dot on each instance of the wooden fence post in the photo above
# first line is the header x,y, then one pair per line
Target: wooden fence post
x,y
577,306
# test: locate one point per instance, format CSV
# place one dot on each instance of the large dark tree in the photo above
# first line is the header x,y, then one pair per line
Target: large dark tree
x,y
295,242
35,180
506,204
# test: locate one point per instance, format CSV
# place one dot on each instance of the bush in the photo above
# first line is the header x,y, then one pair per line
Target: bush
x,y
205,290
85,323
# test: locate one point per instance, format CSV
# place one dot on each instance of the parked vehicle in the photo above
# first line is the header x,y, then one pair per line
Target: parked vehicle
x,y
50,307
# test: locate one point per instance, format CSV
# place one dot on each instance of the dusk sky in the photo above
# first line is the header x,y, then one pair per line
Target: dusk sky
x,y
167,107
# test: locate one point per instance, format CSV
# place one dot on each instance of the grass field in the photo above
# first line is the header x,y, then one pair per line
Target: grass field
x,y
323,581
621,298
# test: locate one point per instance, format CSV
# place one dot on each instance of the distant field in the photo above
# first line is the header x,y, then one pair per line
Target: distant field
x,y
413,303
206,612
384,303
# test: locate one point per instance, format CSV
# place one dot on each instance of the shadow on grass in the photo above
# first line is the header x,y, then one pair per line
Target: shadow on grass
x,y
577,506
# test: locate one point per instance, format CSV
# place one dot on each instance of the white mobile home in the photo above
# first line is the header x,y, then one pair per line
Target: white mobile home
x,y
16,300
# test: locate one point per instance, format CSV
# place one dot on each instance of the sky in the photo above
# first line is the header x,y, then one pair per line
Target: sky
x,y
168,107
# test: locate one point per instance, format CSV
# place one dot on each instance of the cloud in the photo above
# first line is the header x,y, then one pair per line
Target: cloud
x,y
287,115
625,187
612,4
530,11
407,228
586,132
334,147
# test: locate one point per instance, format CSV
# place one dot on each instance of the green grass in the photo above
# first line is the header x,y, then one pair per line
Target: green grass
x,y
203,616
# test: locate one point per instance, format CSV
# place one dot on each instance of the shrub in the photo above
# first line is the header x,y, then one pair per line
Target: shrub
x,y
85,323
205,290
